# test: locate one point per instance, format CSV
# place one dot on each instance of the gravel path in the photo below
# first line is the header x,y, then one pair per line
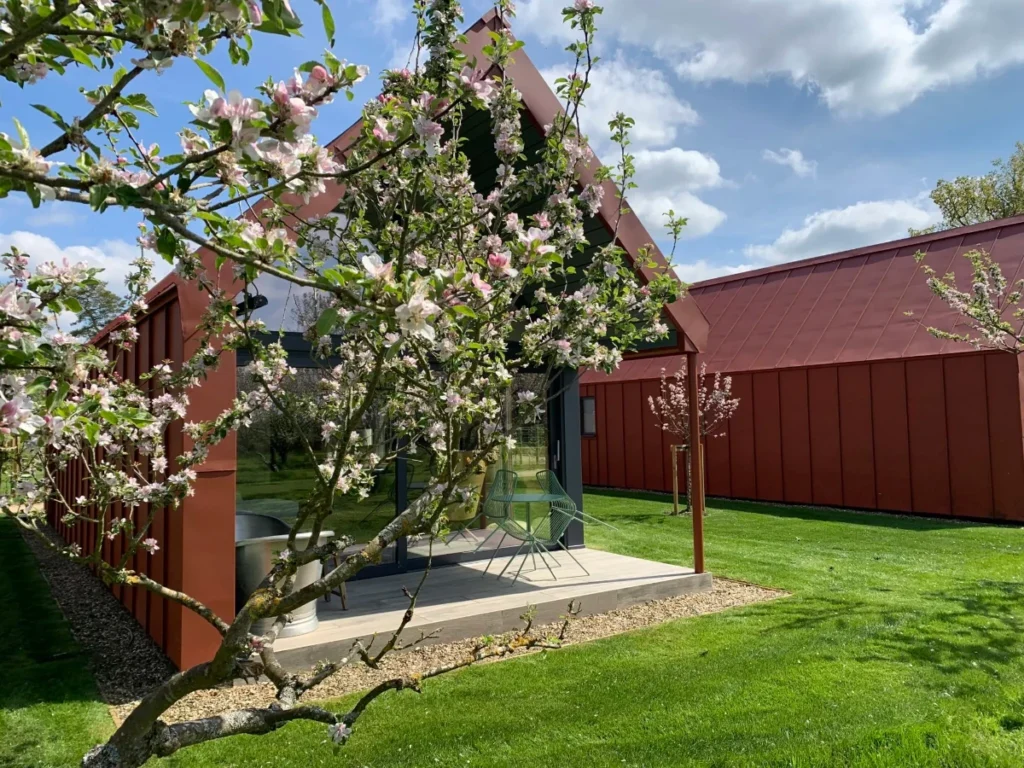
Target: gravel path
x,y
725,594
122,657
127,663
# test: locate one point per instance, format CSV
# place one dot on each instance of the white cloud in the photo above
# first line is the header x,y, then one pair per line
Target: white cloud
x,y
112,256
860,56
387,13
667,179
643,94
701,269
839,229
793,159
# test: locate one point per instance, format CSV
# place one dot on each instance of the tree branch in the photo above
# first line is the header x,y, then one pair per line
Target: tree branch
x,y
97,112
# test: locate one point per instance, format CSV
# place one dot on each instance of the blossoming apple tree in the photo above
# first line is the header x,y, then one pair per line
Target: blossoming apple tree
x,y
436,294
671,410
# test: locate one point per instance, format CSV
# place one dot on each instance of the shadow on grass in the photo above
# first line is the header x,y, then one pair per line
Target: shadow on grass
x,y
715,504
41,662
978,626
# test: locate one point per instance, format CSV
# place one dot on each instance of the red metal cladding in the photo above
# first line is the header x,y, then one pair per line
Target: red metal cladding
x,y
633,434
892,436
654,458
795,431
768,436
717,462
616,439
1003,400
856,436
847,398
929,442
826,449
970,466
742,452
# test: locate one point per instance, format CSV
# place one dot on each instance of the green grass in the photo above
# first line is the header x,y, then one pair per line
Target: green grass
x,y
49,708
902,645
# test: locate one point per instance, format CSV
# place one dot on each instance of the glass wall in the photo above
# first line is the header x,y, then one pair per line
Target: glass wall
x,y
276,470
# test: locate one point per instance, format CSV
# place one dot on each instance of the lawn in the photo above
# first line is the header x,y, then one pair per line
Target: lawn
x,y
901,646
49,713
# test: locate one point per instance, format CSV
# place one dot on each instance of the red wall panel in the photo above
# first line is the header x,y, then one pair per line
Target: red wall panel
x,y
941,436
603,477
1004,401
135,367
926,421
827,461
855,436
616,440
795,431
970,467
742,453
892,436
654,457
768,436
716,459
633,434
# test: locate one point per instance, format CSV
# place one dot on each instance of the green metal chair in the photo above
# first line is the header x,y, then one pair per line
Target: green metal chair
x,y
545,536
548,482
497,505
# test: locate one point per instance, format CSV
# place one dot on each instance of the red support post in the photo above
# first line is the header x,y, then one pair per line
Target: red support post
x,y
694,455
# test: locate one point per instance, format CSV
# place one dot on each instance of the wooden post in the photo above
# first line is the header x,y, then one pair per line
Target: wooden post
x,y
674,452
696,475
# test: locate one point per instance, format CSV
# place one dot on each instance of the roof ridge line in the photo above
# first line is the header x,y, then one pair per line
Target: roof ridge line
x,y
862,250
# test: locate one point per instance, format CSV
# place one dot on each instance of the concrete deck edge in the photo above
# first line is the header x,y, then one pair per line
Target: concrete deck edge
x,y
496,622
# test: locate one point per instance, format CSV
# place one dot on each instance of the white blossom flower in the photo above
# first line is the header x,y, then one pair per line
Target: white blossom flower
x,y
376,268
339,732
414,316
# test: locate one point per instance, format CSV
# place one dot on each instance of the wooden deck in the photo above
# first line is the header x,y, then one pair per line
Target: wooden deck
x,y
460,601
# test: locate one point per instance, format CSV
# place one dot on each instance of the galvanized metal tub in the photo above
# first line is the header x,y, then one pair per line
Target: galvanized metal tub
x,y
258,540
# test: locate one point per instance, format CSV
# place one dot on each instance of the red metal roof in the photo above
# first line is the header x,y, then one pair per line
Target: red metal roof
x,y
841,308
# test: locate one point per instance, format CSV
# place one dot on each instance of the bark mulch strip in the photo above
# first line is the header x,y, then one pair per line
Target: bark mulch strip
x,y
127,664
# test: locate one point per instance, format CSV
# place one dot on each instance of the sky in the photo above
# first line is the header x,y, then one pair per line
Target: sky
x,y
783,129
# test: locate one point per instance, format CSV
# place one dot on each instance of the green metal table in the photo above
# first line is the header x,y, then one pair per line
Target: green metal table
x,y
532,498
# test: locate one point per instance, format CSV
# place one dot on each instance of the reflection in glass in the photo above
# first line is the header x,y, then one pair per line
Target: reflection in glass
x,y
276,471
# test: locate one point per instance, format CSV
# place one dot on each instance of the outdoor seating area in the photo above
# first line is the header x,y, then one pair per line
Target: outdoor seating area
x,y
457,603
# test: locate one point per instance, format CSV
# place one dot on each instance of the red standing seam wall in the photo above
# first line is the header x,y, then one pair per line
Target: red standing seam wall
x,y
196,540
939,436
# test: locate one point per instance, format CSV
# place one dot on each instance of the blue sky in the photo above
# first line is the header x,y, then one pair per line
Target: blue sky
x,y
783,128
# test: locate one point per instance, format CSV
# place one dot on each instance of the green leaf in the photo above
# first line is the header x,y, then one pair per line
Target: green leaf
x,y
51,113
140,102
22,133
33,194
55,47
167,244
82,58
328,24
326,322
72,303
462,309
212,73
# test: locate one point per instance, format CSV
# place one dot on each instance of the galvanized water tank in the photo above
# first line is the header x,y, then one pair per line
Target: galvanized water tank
x,y
258,540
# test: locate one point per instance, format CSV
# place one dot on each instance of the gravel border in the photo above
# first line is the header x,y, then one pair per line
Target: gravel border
x,y
127,664
123,658
356,677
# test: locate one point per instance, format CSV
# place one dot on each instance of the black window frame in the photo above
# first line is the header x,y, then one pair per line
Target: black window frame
x,y
583,416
